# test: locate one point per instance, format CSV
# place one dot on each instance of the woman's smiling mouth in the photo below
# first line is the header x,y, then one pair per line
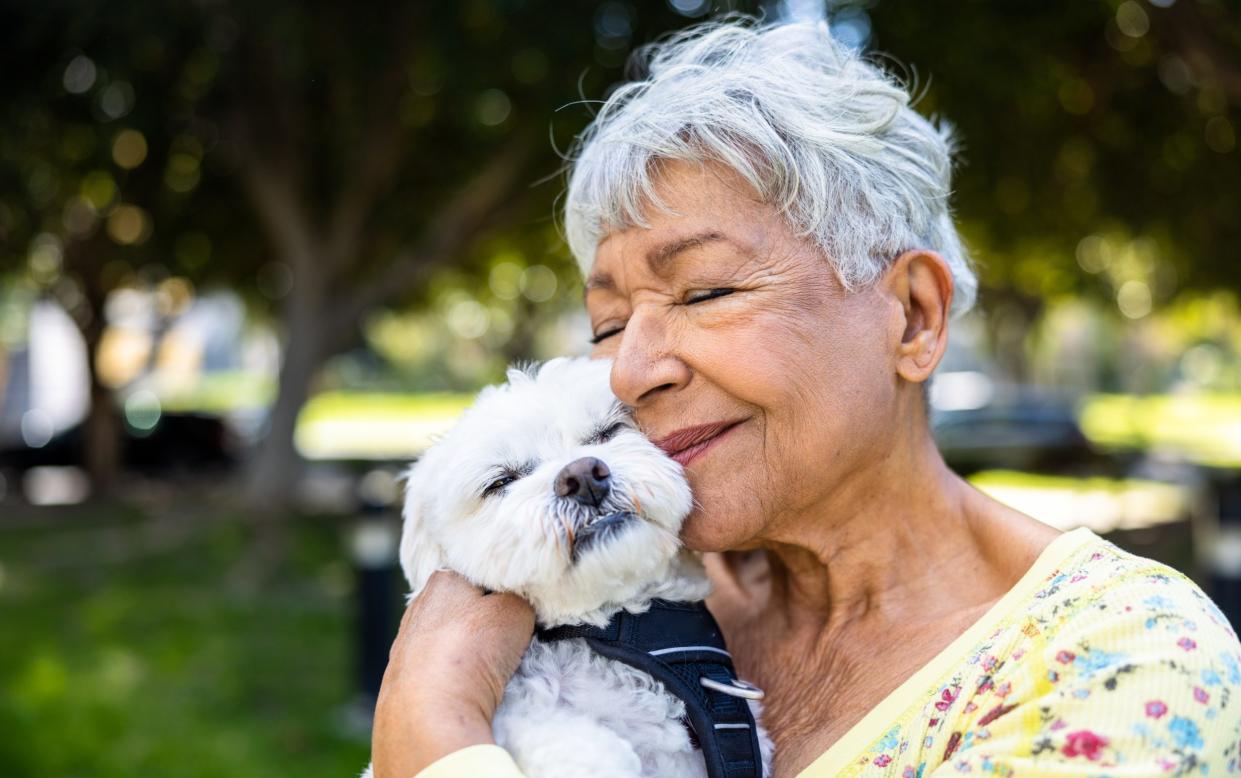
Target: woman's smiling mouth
x,y
689,443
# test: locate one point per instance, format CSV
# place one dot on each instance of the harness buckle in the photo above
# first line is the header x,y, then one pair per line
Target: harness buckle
x,y
735,688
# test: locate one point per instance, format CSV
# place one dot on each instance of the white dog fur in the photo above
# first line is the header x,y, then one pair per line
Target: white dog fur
x,y
481,502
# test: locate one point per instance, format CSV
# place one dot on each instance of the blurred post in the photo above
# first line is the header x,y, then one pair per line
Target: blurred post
x,y
373,545
1225,556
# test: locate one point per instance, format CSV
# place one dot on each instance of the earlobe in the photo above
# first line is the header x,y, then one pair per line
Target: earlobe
x,y
923,349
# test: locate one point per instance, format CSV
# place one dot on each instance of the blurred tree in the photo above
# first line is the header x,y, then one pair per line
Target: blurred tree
x,y
96,171
376,148
1099,144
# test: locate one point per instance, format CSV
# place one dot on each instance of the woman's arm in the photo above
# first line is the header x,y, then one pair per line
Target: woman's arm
x,y
455,652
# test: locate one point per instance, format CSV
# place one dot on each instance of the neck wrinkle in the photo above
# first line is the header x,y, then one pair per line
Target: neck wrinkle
x,y
873,547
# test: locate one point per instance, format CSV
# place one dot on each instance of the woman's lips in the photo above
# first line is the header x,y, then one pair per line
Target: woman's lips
x,y
689,443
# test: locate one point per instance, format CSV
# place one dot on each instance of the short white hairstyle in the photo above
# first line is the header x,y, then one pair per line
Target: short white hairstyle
x,y
824,136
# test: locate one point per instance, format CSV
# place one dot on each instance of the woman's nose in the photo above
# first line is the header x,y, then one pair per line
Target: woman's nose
x,y
646,363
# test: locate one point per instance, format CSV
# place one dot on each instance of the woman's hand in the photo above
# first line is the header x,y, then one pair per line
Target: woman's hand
x,y
455,652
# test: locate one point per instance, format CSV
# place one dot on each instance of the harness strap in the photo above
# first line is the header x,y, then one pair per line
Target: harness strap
x,y
680,643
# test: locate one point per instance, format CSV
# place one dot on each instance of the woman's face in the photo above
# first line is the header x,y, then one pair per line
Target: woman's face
x,y
719,315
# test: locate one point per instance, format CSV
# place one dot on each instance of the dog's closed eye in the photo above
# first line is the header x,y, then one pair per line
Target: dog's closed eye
x,y
505,475
607,433
498,484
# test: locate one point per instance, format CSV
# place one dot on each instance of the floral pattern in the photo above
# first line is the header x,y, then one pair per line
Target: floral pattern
x,y
1113,665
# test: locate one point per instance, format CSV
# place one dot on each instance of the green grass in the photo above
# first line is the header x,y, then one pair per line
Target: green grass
x,y
374,425
1204,428
128,654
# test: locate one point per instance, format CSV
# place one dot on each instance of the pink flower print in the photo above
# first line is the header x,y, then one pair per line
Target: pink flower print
x,y
933,722
908,772
1064,657
1155,709
953,741
1187,643
989,663
1003,689
1084,743
1201,695
946,698
970,707
1077,578
883,760
1058,725
994,713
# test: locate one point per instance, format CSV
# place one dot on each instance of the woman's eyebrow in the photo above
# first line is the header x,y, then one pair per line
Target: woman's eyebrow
x,y
659,257
598,281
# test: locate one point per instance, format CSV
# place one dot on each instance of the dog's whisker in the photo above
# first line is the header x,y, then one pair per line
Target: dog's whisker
x,y
569,535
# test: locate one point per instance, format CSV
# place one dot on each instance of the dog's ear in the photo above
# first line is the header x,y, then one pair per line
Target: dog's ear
x,y
421,555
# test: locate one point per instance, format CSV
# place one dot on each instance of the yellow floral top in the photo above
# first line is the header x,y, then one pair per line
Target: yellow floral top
x,y
1098,664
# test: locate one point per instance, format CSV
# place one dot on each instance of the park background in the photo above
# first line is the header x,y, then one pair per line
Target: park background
x,y
253,254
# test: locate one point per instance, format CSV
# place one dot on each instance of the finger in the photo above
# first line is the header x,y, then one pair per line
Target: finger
x,y
719,572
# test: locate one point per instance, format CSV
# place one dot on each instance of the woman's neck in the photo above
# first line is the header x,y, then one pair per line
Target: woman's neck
x,y
890,545
852,596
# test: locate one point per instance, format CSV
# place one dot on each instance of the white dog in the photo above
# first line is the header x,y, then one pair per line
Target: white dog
x,y
546,488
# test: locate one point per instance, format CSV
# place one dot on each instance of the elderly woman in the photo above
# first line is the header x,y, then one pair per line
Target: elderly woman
x,y
770,260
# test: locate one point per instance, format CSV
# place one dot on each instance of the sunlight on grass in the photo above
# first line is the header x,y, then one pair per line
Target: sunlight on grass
x,y
1102,504
344,425
1203,428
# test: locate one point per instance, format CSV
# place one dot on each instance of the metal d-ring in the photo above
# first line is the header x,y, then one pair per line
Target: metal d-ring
x,y
736,688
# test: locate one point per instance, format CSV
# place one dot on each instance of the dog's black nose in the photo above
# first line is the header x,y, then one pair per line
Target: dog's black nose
x,y
586,480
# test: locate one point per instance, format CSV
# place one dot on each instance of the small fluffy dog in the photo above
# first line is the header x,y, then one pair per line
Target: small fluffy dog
x,y
546,488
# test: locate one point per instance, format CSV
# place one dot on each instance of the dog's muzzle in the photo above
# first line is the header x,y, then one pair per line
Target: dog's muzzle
x,y
599,530
598,510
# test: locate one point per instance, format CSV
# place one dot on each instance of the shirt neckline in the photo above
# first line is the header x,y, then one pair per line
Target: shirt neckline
x,y
846,749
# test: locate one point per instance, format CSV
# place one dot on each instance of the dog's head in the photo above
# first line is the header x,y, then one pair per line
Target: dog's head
x,y
545,488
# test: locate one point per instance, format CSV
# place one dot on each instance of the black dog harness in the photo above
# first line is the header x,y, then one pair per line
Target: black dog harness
x,y
680,644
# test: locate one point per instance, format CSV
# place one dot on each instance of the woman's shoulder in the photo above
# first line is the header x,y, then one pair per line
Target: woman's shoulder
x,y
1101,592
1119,661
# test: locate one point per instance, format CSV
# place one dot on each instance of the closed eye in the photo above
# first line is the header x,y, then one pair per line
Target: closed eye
x,y
497,486
503,475
707,294
606,434
602,336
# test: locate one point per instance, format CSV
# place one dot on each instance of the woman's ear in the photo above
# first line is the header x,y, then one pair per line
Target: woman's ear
x,y
420,554
922,284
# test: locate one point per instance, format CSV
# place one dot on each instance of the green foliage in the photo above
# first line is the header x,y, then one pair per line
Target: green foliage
x,y
132,658
1085,122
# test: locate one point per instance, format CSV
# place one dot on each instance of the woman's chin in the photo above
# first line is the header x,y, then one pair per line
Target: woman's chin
x,y
703,531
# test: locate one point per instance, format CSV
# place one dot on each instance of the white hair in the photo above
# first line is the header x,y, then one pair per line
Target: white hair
x,y
824,136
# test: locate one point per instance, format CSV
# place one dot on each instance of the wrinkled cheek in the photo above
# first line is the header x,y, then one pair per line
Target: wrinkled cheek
x,y
728,509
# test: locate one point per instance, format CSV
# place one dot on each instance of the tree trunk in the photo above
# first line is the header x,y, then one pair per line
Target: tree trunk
x,y
277,467
102,443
